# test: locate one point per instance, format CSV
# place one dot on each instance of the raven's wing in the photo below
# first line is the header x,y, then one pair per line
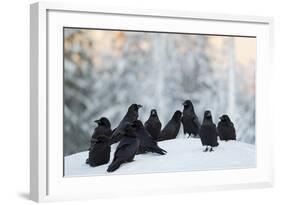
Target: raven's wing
x,y
116,133
202,135
146,122
126,149
120,127
196,121
146,139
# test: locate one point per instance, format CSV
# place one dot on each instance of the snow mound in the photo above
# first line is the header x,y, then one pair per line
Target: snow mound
x,y
183,155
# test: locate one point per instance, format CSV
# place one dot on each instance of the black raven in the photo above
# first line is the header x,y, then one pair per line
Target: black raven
x,y
208,132
103,128
147,142
127,147
226,129
190,120
171,130
131,116
153,124
99,152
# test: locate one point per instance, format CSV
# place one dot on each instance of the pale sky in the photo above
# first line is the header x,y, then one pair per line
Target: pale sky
x,y
245,48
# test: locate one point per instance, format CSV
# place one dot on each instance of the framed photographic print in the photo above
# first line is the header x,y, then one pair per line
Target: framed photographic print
x,y
124,97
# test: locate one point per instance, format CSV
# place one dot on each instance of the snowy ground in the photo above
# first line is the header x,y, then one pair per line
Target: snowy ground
x,y
183,155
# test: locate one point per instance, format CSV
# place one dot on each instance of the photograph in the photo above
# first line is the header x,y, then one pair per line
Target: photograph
x,y
141,102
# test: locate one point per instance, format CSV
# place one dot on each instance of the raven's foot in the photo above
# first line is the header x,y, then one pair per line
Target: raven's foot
x,y
206,150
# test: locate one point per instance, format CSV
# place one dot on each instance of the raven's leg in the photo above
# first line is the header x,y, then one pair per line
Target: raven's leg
x,y
206,150
211,150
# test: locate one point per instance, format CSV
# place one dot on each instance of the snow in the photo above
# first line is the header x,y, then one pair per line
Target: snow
x,y
183,155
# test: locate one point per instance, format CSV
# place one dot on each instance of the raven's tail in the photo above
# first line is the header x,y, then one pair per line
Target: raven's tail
x,y
113,166
158,150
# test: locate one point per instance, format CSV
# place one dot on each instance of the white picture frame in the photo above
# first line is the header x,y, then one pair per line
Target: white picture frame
x,y
46,177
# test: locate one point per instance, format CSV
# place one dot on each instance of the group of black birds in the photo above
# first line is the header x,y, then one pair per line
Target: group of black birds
x,y
134,137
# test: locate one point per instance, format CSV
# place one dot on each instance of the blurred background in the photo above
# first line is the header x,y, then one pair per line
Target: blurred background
x,y
106,71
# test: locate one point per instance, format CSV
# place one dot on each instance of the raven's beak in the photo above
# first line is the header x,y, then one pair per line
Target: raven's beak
x,y
97,121
94,140
139,106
